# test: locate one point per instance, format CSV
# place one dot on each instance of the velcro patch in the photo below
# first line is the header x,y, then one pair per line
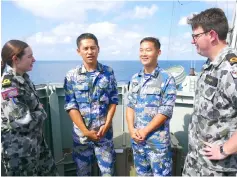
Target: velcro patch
x,y
234,74
210,80
9,93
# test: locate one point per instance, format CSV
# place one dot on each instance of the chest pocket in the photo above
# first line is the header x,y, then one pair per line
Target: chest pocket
x,y
153,96
30,98
209,92
82,92
152,101
206,108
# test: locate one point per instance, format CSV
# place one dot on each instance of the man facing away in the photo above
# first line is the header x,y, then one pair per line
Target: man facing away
x,y
91,97
151,99
212,131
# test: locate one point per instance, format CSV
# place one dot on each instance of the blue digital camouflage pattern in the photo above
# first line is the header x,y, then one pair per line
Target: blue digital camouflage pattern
x,y
24,150
83,155
148,97
92,95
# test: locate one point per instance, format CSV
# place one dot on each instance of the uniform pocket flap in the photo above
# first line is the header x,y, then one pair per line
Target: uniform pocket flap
x,y
152,91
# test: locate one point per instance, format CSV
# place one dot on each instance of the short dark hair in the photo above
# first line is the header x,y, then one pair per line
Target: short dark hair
x,y
11,48
154,40
211,19
86,36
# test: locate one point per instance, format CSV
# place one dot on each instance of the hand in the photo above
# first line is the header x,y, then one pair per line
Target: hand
x,y
142,133
136,136
92,135
102,131
212,152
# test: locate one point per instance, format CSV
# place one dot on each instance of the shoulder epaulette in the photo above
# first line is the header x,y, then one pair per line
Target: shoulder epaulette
x,y
232,58
6,81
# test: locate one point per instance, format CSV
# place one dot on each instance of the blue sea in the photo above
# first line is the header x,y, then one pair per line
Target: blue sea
x,y
54,71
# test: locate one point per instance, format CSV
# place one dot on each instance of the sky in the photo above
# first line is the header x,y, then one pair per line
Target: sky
x,y
51,27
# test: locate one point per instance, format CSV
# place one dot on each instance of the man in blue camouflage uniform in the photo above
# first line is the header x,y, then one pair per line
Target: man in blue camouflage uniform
x,y
151,99
91,98
213,128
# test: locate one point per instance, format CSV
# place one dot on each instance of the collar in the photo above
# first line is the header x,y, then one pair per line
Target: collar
x,y
99,68
20,78
154,73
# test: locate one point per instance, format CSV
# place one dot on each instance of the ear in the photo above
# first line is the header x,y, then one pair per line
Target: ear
x,y
14,58
78,51
98,49
214,35
159,52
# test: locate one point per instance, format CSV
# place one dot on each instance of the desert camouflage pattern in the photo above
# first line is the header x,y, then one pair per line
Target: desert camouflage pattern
x,y
215,111
149,96
24,150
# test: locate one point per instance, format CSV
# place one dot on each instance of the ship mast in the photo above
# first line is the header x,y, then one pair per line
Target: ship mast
x,y
232,37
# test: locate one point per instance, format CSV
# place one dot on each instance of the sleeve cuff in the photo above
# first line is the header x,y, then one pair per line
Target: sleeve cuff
x,y
70,106
166,110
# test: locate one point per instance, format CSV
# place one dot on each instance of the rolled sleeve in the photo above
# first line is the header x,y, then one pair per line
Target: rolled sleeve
x,y
168,99
70,100
113,95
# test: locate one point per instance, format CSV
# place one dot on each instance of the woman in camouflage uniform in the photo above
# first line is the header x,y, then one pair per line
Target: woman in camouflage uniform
x,y
24,150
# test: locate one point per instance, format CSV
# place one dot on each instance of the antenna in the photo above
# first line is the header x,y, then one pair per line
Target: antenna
x,y
180,3
171,24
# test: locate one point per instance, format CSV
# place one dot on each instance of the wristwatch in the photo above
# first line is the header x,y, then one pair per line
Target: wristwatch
x,y
222,151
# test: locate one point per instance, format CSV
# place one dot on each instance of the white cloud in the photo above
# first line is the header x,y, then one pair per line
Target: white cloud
x,y
183,20
143,12
66,10
113,40
187,35
139,12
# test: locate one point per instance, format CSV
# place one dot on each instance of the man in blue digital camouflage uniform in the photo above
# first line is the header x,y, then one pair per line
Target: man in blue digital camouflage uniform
x,y
151,99
91,97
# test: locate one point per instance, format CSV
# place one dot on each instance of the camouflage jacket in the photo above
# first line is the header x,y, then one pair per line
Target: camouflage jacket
x,y
22,115
215,109
152,96
91,97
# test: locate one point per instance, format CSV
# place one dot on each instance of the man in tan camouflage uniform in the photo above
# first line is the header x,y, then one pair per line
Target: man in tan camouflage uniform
x,y
212,131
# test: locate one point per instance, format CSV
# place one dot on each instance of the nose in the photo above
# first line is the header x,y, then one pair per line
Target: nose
x,y
33,59
89,51
193,41
143,53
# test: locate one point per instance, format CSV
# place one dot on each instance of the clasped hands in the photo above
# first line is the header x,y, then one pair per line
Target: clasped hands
x,y
138,135
96,135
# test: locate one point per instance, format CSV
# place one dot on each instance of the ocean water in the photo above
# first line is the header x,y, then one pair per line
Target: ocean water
x,y
54,71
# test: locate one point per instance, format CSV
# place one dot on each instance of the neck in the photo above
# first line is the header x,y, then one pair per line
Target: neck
x,y
17,71
149,69
216,50
90,67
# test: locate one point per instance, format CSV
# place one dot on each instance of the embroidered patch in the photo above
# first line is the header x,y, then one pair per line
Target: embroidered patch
x,y
234,74
9,93
6,82
233,60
